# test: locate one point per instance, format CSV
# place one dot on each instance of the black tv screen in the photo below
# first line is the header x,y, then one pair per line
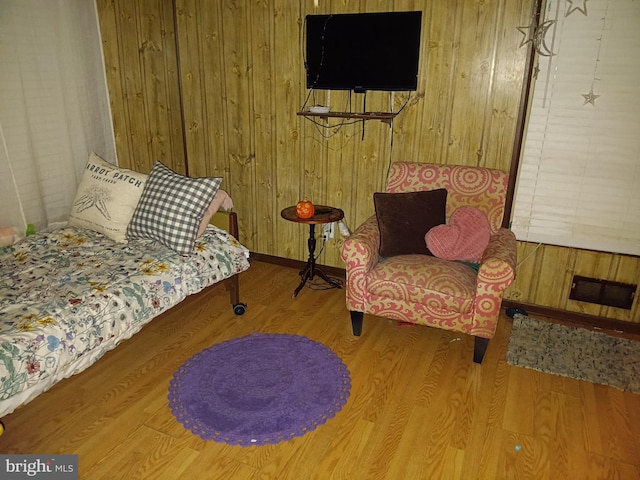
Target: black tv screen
x,y
363,51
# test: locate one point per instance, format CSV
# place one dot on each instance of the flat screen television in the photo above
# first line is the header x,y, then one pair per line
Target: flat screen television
x,y
363,51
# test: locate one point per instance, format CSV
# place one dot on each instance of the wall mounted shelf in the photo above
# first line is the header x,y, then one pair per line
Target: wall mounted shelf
x,y
385,117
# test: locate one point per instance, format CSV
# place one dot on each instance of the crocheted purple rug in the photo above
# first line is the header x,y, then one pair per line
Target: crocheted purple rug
x,y
259,389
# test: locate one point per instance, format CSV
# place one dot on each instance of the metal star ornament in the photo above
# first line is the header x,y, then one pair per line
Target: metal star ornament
x,y
536,35
582,7
529,33
590,97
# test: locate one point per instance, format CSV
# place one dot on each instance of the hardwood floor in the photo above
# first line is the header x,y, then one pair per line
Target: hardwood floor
x,y
419,407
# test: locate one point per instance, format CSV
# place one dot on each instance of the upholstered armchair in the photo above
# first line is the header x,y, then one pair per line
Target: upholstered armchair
x,y
424,289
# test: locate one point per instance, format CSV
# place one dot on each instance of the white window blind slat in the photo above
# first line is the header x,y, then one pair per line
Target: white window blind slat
x,y
579,178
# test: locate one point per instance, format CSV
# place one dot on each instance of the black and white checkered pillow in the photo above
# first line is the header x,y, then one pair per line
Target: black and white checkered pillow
x,y
171,208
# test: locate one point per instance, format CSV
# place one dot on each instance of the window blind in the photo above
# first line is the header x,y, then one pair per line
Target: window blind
x,y
54,107
579,177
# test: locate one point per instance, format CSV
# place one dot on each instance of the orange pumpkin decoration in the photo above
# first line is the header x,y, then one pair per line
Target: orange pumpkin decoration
x,y
304,209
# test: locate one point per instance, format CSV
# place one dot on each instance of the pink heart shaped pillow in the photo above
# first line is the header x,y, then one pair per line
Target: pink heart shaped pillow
x,y
465,238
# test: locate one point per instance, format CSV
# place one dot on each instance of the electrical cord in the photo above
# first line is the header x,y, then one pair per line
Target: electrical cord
x,y
322,285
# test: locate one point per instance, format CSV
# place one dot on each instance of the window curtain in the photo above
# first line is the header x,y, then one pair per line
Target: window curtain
x,y
54,107
579,178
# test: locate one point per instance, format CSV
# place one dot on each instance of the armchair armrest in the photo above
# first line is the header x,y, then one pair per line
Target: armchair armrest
x,y
361,248
497,272
498,263
360,255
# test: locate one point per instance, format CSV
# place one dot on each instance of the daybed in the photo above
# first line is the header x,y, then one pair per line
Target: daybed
x,y
69,295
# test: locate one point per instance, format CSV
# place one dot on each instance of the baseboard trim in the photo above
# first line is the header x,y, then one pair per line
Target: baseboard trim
x,y
551,313
575,317
297,264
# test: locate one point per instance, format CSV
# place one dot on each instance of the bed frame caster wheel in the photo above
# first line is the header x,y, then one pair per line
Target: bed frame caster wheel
x,y
239,308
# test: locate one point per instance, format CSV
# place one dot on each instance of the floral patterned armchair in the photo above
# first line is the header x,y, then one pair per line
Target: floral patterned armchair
x,y
427,290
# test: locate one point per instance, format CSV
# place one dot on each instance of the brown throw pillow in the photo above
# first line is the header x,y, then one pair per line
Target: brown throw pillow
x,y
405,218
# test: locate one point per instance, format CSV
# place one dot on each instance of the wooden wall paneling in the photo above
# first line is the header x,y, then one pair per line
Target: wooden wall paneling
x,y
189,78
485,155
553,287
209,77
544,277
406,142
263,199
368,155
128,54
377,151
508,77
452,39
314,131
439,57
475,30
523,288
626,270
313,156
239,114
289,175
343,163
125,81
362,168
160,84
134,90
411,104
243,80
107,16
342,186
334,180
191,46
141,67
217,69
408,125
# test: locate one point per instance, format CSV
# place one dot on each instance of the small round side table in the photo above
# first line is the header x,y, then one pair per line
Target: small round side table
x,y
323,214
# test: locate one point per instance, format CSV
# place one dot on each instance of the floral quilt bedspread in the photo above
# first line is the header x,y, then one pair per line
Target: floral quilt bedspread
x,y
68,296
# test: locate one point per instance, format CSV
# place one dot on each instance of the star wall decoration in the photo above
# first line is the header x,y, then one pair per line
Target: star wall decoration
x,y
582,7
590,97
529,33
536,35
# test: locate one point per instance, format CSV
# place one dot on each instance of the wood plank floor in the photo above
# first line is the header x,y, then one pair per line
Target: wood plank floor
x,y
419,408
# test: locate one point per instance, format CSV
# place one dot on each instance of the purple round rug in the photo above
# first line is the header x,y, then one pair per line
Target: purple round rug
x,y
259,389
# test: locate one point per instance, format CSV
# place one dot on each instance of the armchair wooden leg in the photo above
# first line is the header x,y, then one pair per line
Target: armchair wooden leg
x,y
479,349
356,322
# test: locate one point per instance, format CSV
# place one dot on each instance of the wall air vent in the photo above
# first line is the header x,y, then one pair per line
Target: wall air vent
x,y
603,292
